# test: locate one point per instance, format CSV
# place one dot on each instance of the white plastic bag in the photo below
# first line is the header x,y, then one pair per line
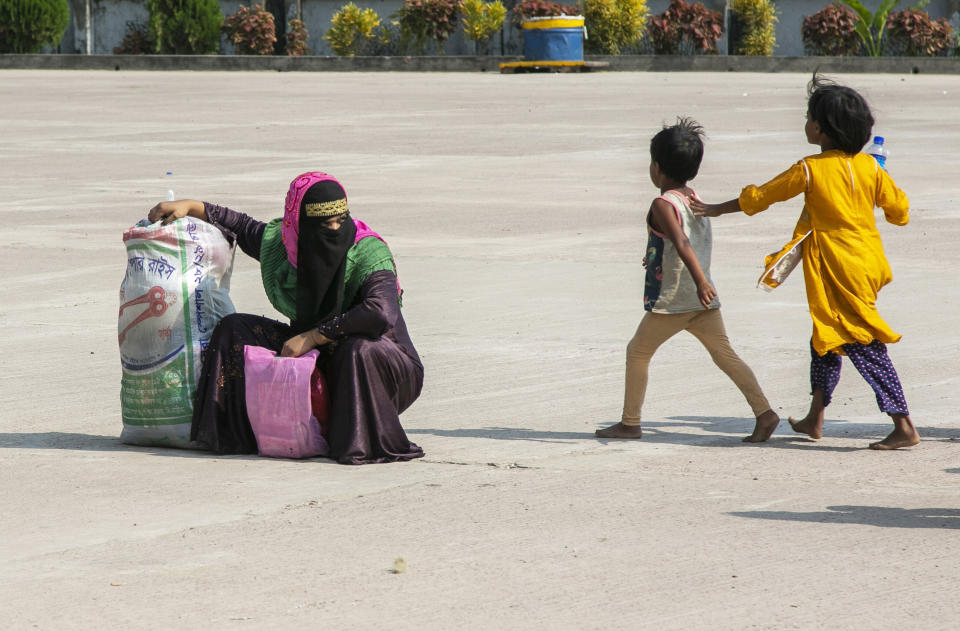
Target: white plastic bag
x,y
778,265
175,291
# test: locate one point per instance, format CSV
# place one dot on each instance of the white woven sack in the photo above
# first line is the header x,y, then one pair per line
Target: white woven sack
x,y
174,292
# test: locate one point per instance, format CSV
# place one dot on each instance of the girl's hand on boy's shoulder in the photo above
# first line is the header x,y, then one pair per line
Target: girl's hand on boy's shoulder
x,y
702,209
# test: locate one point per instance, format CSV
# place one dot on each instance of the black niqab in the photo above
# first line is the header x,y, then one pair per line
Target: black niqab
x,y
321,260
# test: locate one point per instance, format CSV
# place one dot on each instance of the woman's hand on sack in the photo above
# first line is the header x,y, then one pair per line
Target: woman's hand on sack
x,y
166,212
304,343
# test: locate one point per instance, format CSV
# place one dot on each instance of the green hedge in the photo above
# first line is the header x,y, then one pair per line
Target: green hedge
x,y
26,26
185,27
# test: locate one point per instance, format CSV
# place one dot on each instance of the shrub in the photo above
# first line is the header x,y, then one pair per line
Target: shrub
x,y
916,34
526,9
685,28
481,20
297,36
352,27
871,27
831,31
386,41
26,26
613,25
135,42
423,21
251,30
955,27
758,34
184,27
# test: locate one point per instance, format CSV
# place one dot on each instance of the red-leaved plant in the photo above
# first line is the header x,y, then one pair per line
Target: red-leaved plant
x,y
685,28
831,31
423,21
526,9
135,42
915,34
251,30
297,38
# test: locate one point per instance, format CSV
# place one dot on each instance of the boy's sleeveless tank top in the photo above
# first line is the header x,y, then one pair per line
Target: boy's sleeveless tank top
x,y
669,287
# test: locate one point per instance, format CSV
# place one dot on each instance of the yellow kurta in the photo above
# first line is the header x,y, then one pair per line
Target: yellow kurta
x,y
843,261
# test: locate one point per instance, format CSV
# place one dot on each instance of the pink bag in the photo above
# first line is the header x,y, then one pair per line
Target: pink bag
x,y
281,394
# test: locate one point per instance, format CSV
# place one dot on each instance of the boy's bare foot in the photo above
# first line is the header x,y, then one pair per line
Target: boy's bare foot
x,y
904,434
812,423
766,423
620,431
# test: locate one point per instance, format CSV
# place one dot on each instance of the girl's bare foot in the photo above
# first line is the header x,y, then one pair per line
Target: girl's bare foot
x,y
620,431
808,426
812,423
896,440
904,434
766,423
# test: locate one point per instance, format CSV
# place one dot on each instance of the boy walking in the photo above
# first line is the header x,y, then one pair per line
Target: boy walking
x,y
678,293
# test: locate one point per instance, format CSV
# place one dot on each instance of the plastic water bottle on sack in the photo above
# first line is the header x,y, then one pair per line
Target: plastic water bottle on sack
x,y
170,196
878,151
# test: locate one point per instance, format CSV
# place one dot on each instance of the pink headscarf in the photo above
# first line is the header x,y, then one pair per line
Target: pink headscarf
x,y
290,230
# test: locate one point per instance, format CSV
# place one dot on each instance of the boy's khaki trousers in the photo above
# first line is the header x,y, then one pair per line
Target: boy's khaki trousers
x,y
706,326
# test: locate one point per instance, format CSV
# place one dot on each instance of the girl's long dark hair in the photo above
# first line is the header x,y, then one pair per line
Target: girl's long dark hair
x,y
843,115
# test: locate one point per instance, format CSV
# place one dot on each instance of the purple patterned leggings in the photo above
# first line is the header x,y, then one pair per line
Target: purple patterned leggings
x,y
873,364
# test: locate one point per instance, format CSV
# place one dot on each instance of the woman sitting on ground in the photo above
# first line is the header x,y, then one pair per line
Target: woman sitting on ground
x,y
336,280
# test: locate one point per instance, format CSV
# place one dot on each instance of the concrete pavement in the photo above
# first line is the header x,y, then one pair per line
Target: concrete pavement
x,y
515,207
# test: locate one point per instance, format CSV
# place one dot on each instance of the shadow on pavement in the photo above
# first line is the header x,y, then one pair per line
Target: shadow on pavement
x,y
504,433
654,432
62,440
832,428
94,442
880,516
731,428
783,437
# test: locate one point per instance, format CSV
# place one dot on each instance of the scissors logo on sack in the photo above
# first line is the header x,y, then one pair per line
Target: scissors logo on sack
x,y
156,302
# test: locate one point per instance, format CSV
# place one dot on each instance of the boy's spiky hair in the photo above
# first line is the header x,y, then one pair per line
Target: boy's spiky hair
x,y
678,149
842,114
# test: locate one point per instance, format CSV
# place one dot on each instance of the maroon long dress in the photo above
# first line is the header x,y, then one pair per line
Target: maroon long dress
x,y
372,369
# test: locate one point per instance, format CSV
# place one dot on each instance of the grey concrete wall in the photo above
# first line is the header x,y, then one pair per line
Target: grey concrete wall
x,y
484,63
109,20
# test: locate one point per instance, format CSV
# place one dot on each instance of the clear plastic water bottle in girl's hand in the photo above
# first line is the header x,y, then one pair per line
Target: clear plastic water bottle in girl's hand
x,y
878,151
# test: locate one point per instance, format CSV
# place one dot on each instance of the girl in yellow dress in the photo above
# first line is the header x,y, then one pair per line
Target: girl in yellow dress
x,y
843,261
